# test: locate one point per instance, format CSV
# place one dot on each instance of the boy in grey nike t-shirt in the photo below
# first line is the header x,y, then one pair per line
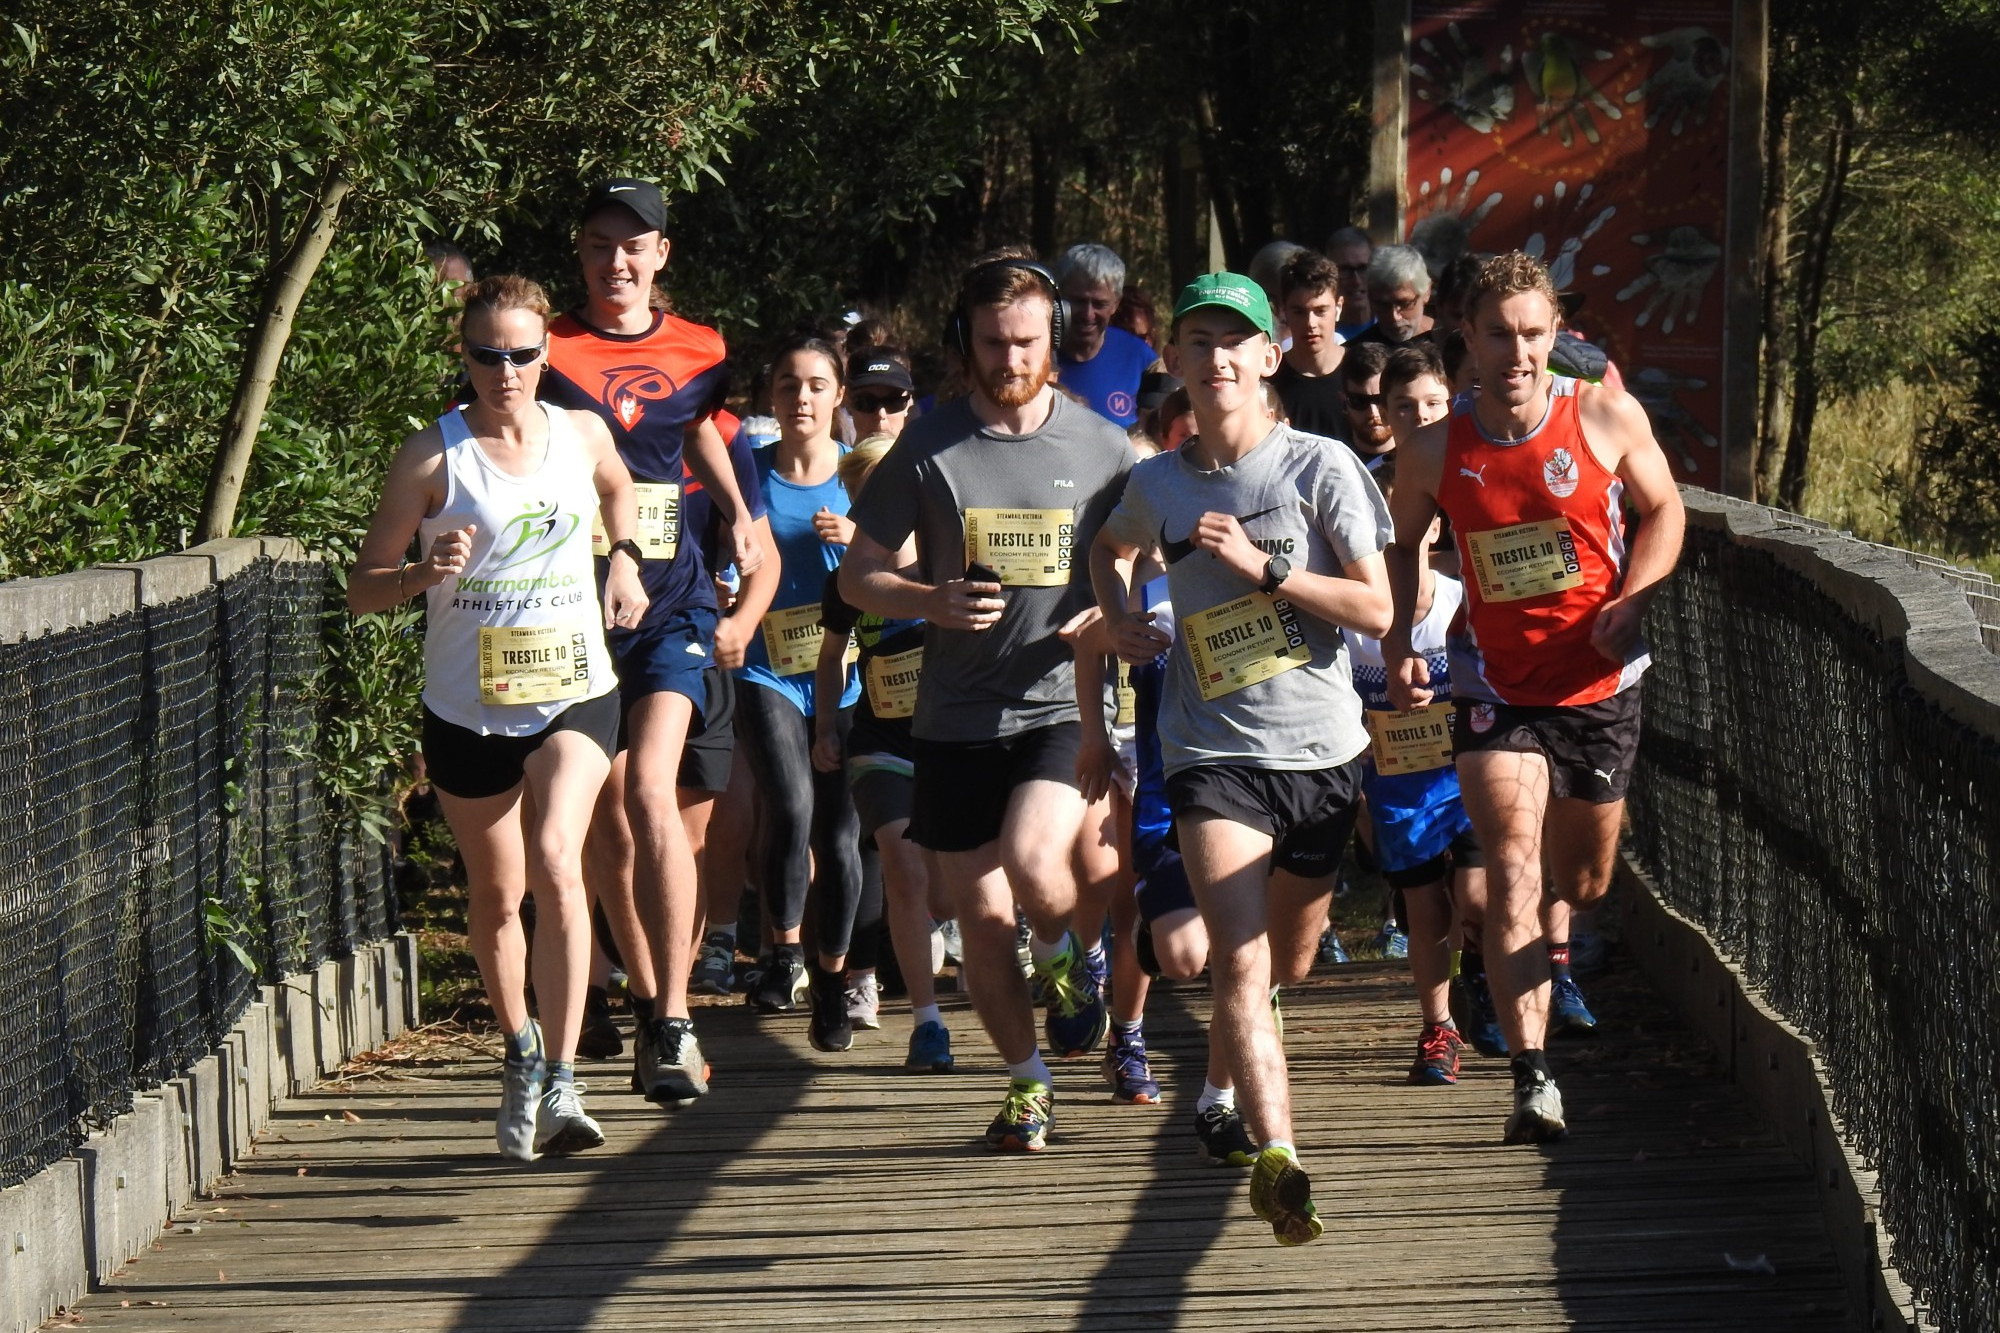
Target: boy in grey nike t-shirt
x,y
1273,543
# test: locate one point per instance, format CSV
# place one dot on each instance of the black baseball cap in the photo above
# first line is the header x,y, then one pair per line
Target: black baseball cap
x,y
872,368
642,197
1155,387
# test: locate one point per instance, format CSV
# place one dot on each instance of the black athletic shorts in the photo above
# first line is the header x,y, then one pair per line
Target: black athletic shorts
x,y
1308,813
962,787
1590,747
711,742
1463,854
881,795
465,764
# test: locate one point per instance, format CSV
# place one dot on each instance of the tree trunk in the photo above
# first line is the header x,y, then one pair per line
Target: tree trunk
x,y
1042,195
1227,210
1774,409
268,338
1813,271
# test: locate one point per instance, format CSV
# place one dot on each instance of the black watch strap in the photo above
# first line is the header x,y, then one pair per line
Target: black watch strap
x,y
629,547
1276,569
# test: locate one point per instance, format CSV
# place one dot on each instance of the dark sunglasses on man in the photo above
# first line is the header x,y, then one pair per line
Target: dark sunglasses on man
x,y
493,356
895,401
1361,402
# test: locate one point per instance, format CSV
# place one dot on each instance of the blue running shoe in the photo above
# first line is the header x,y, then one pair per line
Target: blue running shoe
x,y
1391,942
930,1050
1472,1010
1023,1122
1331,950
1128,1073
1075,1017
1567,1011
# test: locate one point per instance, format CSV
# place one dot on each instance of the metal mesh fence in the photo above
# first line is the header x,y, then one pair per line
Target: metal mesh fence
x,y
1839,834
158,773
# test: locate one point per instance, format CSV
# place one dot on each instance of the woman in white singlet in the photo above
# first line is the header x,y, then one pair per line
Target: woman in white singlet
x,y
520,702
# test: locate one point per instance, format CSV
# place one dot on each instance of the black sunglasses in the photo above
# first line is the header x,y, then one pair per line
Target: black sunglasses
x,y
1361,402
493,356
895,402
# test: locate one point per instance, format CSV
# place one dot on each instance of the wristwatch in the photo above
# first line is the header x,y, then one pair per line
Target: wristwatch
x,y
1275,573
629,547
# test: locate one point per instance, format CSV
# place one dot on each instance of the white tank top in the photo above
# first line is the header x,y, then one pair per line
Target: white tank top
x,y
519,636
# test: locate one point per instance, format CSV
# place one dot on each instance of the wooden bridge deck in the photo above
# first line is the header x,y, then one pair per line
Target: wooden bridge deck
x,y
816,1191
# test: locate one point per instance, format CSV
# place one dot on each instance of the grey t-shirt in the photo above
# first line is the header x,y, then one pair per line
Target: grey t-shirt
x,y
1027,506
1254,681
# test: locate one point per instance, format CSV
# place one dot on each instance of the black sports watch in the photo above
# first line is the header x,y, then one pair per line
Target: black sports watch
x,y
629,547
1275,573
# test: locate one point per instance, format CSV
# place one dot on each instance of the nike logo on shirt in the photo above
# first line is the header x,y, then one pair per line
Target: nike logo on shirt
x,y
1175,551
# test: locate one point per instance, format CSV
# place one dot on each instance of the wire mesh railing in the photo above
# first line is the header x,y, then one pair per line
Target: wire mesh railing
x,y
1820,790
168,844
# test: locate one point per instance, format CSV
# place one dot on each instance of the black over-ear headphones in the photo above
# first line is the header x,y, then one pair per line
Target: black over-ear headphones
x,y
958,329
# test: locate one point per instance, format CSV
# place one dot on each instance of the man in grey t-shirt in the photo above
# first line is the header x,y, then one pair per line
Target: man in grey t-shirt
x,y
1005,491
1273,543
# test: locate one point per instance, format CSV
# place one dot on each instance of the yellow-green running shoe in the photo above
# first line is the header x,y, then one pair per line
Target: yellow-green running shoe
x,y
1023,1122
1281,1194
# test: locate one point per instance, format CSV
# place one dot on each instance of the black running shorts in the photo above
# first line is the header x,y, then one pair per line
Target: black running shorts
x,y
1308,813
465,764
1591,748
962,788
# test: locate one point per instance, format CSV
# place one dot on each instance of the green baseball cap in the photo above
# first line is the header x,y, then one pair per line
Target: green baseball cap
x,y
1230,291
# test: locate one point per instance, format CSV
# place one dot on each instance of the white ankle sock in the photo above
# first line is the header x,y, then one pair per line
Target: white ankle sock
x,y
926,1013
1033,1067
1043,951
1214,1096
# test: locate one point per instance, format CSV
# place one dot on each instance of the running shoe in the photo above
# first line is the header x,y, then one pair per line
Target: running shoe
x,y
864,1001
830,1029
1126,1069
954,944
1391,942
784,982
599,1038
714,970
1472,1010
520,1094
1281,1194
561,1126
1538,1107
1437,1056
1331,950
1075,1017
752,976
1567,1011
930,1050
1097,965
1224,1140
669,1069
1023,1122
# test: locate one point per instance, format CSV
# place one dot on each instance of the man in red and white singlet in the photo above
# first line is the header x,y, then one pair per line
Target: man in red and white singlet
x,y
1535,474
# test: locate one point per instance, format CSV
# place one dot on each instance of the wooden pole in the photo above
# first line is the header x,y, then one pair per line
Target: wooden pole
x,y
1745,246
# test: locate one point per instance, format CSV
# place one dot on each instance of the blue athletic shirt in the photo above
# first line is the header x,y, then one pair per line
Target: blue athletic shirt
x,y
806,560
1416,815
1109,381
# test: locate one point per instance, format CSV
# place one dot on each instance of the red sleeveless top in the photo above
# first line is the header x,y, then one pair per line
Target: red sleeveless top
x,y
1540,528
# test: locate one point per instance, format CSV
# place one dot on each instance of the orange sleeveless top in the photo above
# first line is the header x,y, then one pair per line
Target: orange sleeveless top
x,y
1540,528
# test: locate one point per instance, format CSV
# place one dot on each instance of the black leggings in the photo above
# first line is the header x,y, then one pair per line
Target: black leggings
x,y
811,834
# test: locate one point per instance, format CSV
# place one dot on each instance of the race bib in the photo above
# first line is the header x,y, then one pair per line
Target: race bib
x,y
533,664
659,534
1027,548
892,683
1413,741
791,638
1127,697
1244,641
1527,560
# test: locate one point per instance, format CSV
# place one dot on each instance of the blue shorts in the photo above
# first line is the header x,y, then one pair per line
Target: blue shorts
x,y
666,656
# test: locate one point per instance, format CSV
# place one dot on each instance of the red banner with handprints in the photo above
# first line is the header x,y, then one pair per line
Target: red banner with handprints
x,y
1595,136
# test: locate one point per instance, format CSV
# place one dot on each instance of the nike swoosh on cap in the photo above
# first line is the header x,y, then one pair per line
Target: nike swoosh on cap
x,y
620,189
1176,551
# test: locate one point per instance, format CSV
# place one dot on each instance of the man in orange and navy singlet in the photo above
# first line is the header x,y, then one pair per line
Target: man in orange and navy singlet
x,y
653,377
1535,473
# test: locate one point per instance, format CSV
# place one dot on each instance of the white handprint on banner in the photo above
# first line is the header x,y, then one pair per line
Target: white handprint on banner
x,y
1442,219
1678,273
1564,93
1571,223
1676,428
1697,62
1479,94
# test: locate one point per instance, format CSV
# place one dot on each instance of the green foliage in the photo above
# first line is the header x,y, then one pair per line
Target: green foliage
x,y
1952,500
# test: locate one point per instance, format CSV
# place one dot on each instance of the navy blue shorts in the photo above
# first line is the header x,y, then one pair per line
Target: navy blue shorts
x,y
667,655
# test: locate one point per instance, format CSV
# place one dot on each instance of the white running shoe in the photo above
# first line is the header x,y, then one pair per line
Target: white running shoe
x,y
1538,1111
864,1001
520,1095
562,1127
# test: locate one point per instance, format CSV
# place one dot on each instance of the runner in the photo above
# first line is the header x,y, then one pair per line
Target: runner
x,y
520,717
1260,728
1534,472
1000,488
877,760
880,391
1099,363
810,839
1308,379
1350,250
1368,432
651,377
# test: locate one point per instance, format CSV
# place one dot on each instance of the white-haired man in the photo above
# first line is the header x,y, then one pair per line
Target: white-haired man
x,y
1098,363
